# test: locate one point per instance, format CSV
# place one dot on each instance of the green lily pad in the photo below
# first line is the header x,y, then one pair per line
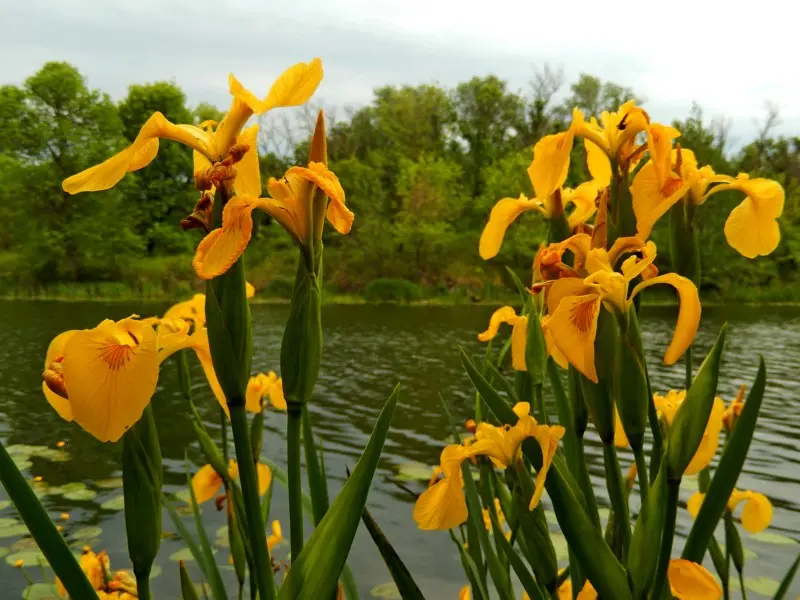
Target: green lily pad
x,y
41,591
86,542
16,530
115,503
768,537
184,496
762,585
604,513
414,471
184,510
29,558
222,537
560,545
78,491
22,462
385,590
109,484
689,482
155,571
51,454
183,554
85,533
22,544
4,504
550,517
8,522
21,449
4,551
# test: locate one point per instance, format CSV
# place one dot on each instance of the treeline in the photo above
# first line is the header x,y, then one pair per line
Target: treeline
x,y
422,167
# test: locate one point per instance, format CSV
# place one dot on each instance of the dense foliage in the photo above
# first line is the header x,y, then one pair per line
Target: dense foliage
x,y
422,167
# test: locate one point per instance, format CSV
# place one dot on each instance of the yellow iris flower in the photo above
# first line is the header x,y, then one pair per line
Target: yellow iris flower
x,y
290,205
751,228
207,482
519,336
294,87
733,410
262,386
612,139
756,512
443,506
668,405
120,585
103,378
276,537
574,303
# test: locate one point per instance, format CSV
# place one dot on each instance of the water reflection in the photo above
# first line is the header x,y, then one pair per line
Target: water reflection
x,y
368,349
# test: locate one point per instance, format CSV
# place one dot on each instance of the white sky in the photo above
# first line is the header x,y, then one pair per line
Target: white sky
x,y
729,56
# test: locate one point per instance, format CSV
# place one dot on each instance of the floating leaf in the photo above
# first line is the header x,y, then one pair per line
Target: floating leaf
x,y
689,482
604,513
184,496
385,590
183,554
8,522
16,530
22,462
116,503
90,542
414,471
762,585
51,454
77,491
768,537
29,558
4,504
109,484
550,517
26,543
85,533
41,591
4,551
155,571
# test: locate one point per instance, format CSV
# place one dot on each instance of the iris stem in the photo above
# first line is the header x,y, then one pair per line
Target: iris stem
x,y
687,361
252,504
673,489
293,428
741,585
223,421
619,502
641,471
143,586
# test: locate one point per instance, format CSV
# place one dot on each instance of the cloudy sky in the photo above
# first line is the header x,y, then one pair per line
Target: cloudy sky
x,y
729,56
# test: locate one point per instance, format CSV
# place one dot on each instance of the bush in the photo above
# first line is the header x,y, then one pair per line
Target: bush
x,y
392,290
278,287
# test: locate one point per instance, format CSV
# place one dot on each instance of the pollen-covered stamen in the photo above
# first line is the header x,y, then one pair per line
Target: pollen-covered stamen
x,y
53,377
583,314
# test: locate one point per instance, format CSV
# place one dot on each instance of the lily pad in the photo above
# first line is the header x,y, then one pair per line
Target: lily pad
x,y
182,554
22,544
31,558
768,537
86,543
762,585
550,517
51,454
4,551
78,491
41,591
690,482
414,471
109,484
16,530
22,462
8,522
560,545
85,533
604,513
184,496
155,571
385,590
115,503
4,504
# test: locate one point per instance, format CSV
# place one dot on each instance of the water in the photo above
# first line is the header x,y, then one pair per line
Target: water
x,y
368,349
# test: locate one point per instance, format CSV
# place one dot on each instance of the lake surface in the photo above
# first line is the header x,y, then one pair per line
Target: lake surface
x,y
368,349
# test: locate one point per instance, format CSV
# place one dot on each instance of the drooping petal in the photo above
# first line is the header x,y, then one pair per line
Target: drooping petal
x,y
548,437
465,593
574,328
110,374
55,354
690,581
552,349
264,478
519,338
442,506
651,201
503,214
294,87
338,214
248,176
634,266
710,440
757,513
583,198
206,483
253,395
752,229
276,397
550,165
688,313
694,503
505,314
276,537
139,154
561,288
199,343
598,163
659,145
217,252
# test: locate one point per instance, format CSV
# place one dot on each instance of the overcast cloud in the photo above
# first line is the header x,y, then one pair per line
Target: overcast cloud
x,y
730,60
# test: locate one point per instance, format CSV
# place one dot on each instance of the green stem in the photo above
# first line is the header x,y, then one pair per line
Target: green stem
x,y
293,428
687,361
673,489
143,586
541,409
741,585
223,421
585,484
619,502
252,504
641,472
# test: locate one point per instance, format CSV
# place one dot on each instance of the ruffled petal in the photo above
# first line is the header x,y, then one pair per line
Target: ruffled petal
x,y
548,437
550,165
506,314
688,313
583,198
253,395
503,214
752,229
110,373
651,201
442,506
337,213
690,581
55,354
574,328
561,288
659,145
276,397
757,512
217,252
206,483
295,86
